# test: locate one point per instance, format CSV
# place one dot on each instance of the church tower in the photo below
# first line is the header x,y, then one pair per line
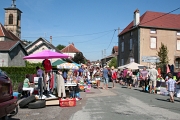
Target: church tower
x,y
13,19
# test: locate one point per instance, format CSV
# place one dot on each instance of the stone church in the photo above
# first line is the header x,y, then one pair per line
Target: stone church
x,y
12,49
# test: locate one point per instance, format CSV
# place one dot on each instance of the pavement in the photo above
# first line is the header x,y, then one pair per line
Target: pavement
x,y
112,104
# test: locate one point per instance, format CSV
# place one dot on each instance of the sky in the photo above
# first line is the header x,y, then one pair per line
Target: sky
x,y
92,25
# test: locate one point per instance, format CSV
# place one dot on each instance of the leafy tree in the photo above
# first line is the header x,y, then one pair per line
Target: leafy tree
x,y
79,58
163,56
60,47
113,62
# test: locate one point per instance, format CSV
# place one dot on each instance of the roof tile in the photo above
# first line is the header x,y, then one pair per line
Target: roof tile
x,y
7,45
70,49
157,20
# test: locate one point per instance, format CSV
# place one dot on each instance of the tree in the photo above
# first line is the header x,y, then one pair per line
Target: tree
x,y
60,47
113,62
79,58
163,56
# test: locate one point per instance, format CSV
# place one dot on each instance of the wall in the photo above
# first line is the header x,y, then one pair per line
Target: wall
x,y
15,57
167,37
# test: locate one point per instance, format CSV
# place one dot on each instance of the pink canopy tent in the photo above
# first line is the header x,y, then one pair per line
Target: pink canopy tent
x,y
46,54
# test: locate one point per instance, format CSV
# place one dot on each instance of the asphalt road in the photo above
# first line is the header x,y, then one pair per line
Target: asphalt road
x,y
118,103
121,103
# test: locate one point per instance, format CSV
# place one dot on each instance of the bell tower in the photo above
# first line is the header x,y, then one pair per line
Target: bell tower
x,y
13,19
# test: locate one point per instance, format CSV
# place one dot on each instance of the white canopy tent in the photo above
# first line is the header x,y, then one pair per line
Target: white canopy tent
x,y
131,65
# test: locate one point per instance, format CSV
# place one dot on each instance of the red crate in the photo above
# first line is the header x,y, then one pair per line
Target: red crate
x,y
67,102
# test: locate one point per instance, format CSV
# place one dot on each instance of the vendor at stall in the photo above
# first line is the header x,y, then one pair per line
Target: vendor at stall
x,y
26,85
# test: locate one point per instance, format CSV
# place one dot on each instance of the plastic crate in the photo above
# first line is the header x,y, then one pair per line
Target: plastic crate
x,y
67,102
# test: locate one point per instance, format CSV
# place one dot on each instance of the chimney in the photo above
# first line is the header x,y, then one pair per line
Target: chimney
x,y
136,17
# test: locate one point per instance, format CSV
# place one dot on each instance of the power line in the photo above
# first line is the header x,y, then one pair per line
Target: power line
x,y
94,38
160,16
111,39
75,35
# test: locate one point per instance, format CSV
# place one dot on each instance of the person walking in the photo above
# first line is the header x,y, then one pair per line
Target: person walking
x,y
170,86
97,77
153,73
105,77
144,78
129,78
113,76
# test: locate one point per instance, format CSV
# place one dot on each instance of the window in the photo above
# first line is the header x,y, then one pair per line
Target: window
x,y
153,31
130,44
122,47
178,44
178,32
153,42
123,37
177,63
11,19
122,61
131,33
18,21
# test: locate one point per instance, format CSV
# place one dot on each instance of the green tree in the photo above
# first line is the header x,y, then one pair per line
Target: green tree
x,y
60,47
163,56
113,62
79,58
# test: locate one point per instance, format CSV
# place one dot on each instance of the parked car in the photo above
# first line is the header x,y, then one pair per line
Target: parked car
x,y
8,103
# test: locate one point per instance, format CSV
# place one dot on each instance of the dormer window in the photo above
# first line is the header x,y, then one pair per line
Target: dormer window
x,y
178,33
153,31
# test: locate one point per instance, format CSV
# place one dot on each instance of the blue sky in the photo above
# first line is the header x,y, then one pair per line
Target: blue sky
x,y
89,24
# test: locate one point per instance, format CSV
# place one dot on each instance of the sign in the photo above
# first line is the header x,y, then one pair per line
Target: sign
x,y
150,59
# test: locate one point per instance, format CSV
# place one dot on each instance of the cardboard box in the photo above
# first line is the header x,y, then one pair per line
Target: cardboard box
x,y
52,102
67,102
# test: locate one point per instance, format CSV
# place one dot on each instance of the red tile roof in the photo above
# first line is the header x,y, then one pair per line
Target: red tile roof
x,y
157,20
70,49
7,34
7,45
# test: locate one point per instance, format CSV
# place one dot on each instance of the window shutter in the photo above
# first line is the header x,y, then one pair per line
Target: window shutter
x,y
153,42
178,44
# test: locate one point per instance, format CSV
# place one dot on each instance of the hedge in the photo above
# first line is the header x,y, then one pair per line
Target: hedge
x,y
17,74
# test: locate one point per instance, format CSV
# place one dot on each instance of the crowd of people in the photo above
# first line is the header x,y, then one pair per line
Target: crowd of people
x,y
146,79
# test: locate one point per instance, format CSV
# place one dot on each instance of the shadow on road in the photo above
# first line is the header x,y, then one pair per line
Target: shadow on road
x,y
167,100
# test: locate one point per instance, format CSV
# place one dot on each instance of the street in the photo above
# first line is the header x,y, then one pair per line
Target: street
x,y
121,103
118,103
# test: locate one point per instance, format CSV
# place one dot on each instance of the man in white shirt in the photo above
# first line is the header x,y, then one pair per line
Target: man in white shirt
x,y
153,73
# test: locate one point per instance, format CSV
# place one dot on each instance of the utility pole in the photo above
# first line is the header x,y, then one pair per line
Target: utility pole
x,y
51,39
118,30
105,55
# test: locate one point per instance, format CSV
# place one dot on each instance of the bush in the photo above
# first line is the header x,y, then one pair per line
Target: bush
x,y
17,74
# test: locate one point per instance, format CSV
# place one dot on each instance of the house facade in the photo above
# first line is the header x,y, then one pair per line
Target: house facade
x,y
39,45
11,54
144,35
114,54
70,50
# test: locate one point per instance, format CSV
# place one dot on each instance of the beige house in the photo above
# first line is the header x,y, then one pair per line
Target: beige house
x,y
144,35
39,45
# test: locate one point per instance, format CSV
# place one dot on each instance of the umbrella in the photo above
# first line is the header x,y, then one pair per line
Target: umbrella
x,y
67,66
46,54
58,62
131,65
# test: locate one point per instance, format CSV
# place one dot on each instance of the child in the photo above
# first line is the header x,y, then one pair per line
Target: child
x,y
170,86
